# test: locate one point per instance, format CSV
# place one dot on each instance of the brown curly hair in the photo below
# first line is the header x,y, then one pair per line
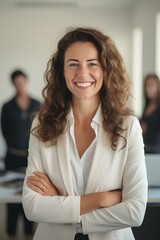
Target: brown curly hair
x,y
57,98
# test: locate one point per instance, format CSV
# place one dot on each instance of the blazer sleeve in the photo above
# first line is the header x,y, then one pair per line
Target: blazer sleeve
x,y
48,209
130,212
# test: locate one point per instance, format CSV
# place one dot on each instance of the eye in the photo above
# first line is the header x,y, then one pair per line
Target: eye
x,y
73,65
93,64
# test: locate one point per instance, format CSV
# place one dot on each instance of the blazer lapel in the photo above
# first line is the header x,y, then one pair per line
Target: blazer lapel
x,y
64,161
97,161
100,152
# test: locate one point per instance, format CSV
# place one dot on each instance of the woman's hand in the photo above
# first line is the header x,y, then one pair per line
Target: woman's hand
x,y
41,183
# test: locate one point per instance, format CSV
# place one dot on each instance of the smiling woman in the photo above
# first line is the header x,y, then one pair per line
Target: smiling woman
x,y
86,175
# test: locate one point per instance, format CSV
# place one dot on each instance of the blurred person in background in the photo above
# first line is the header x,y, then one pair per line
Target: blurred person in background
x,y
150,120
16,123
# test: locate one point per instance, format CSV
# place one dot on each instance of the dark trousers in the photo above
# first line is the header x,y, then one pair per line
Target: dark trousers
x,y
13,162
13,212
81,236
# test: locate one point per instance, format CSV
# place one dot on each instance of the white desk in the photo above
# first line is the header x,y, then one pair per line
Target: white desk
x,y
154,195
7,197
12,194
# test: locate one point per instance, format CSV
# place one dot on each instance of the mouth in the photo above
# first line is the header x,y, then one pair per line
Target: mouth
x,y
83,84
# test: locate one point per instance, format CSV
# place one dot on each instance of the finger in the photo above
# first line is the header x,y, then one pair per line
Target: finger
x,y
42,175
35,188
35,178
43,190
39,185
38,180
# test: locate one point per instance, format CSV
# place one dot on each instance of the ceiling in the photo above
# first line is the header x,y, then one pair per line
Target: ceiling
x,y
68,3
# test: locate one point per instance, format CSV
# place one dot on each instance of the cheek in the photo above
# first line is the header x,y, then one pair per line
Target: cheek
x,y
99,78
100,84
68,81
151,91
68,75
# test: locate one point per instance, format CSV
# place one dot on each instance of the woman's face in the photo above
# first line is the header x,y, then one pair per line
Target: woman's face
x,y
83,71
151,88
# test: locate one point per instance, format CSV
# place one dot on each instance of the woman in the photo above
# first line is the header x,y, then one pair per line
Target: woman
x,y
15,123
86,176
150,121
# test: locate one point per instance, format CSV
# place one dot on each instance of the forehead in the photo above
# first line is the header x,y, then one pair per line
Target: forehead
x,y
151,81
19,79
81,50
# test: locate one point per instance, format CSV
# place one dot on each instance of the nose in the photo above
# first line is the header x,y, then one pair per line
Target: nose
x,y
82,71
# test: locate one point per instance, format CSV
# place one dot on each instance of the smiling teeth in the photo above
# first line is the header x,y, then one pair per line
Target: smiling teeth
x,y
86,84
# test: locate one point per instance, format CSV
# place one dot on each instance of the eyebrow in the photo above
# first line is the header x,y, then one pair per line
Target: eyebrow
x,y
89,60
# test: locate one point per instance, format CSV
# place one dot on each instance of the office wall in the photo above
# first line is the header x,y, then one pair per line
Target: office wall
x,y
29,36
144,15
144,18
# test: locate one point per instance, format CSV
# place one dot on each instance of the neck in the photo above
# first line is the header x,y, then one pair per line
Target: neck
x,y
84,110
22,101
22,95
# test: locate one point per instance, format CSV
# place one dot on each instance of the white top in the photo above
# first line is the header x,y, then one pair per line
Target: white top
x,y
81,166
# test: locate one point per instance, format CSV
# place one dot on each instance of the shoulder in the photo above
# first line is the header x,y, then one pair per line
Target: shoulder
x,y
34,101
8,104
132,124
34,104
129,120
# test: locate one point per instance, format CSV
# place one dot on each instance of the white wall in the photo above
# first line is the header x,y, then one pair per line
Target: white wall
x,y
29,36
144,17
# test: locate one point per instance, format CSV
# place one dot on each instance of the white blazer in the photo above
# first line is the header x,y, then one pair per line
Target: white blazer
x,y
121,169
